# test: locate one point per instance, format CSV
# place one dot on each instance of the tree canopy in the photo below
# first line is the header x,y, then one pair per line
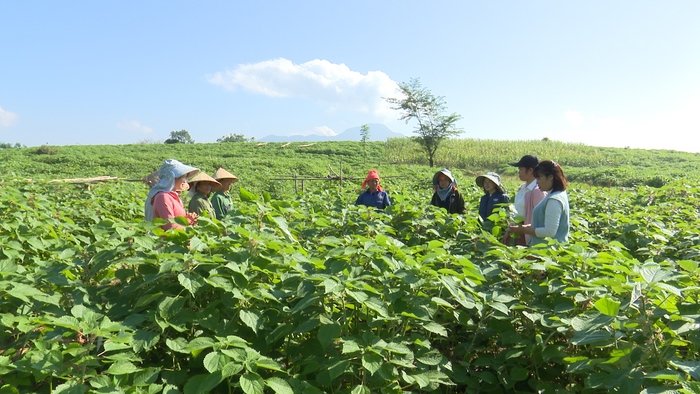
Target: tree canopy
x,y
179,137
419,104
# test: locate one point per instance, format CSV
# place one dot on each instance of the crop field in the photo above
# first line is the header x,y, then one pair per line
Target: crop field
x,y
303,292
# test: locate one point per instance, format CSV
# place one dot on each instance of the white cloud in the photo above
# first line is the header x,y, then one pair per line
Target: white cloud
x,y
676,128
573,117
7,118
320,130
334,85
134,126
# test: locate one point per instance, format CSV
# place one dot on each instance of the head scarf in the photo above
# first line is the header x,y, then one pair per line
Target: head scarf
x,y
372,174
168,172
444,193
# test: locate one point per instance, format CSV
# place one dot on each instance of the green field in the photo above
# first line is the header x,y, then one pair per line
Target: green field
x,y
303,292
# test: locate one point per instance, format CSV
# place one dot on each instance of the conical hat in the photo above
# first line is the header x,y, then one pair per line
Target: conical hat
x,y
202,177
223,174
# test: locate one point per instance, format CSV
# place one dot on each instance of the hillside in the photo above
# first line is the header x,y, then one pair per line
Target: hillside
x,y
258,164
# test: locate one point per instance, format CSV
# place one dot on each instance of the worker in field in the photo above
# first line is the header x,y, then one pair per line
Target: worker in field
x,y
373,196
163,199
201,187
550,218
528,196
446,194
494,194
221,199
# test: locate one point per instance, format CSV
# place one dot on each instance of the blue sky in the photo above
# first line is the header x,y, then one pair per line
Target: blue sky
x,y
608,73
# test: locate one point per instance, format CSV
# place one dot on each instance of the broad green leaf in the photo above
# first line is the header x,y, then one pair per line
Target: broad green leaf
x,y
250,319
200,384
279,385
361,390
170,307
692,368
123,368
653,273
246,196
191,281
435,328
598,338
328,333
215,361
252,383
608,306
372,362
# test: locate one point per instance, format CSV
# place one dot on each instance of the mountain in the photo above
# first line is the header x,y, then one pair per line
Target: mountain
x,y
377,132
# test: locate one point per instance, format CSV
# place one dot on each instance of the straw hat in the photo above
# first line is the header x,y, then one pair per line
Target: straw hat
x,y
223,174
202,177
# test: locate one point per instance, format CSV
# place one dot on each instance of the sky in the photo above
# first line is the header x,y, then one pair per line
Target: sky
x,y
622,73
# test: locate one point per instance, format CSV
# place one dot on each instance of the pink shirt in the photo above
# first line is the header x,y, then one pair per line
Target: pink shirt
x,y
167,206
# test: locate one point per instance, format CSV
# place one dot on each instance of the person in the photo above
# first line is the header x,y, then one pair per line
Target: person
x,y
201,187
550,218
494,194
446,194
221,200
373,196
528,196
163,199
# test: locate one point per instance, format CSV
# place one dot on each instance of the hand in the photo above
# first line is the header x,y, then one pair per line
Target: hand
x,y
192,218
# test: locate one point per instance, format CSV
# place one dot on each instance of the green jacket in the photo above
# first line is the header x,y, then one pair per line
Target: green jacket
x,y
221,203
200,204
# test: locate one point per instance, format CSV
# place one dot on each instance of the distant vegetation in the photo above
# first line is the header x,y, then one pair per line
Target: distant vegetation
x,y
307,293
258,163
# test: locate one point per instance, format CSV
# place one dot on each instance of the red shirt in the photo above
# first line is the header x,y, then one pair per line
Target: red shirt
x,y
167,206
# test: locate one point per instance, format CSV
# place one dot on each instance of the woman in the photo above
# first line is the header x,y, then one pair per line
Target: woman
x,y
374,196
446,194
494,194
201,187
163,199
221,200
528,196
550,218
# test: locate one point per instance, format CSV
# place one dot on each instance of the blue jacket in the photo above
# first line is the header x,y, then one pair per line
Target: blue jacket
x,y
378,199
489,201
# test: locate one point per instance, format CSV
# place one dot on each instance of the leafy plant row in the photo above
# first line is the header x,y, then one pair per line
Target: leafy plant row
x,y
312,295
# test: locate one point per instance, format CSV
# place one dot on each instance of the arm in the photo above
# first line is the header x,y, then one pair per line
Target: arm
x,y
552,214
387,202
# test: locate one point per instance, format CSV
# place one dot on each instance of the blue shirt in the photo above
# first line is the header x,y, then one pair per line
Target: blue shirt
x,y
378,199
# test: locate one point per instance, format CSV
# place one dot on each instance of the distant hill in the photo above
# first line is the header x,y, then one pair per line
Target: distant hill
x,y
377,132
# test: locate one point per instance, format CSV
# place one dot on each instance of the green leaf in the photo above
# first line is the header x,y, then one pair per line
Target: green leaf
x,y
692,368
361,390
608,306
328,333
250,319
279,385
191,281
215,361
200,384
435,328
122,368
653,273
252,383
246,196
372,362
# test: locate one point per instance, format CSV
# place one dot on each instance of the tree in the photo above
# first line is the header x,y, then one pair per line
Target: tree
x,y
235,138
364,132
179,137
419,104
